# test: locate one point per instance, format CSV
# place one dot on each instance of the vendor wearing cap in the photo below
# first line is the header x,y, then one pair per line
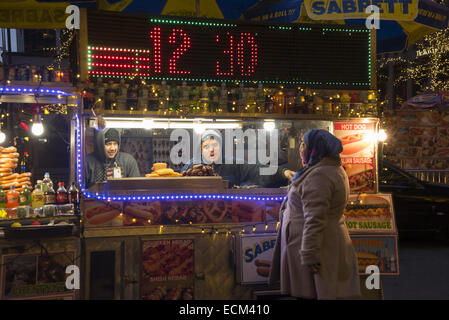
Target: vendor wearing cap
x,y
107,160
237,174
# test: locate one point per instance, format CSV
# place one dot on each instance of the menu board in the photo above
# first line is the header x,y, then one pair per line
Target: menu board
x,y
168,269
254,257
36,276
377,250
420,139
358,156
367,213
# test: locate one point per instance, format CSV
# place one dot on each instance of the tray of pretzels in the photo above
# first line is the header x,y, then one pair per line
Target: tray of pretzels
x,y
9,159
165,180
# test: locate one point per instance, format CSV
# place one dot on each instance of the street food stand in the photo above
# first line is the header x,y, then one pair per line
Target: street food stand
x,y
192,237
38,245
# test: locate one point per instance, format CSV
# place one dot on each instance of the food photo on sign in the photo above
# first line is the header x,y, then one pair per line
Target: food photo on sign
x,y
253,255
100,213
35,276
358,139
168,269
381,251
370,212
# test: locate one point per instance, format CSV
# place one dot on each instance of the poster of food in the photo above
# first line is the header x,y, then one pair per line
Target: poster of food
x,y
168,269
254,254
358,156
420,140
144,213
377,250
367,213
36,276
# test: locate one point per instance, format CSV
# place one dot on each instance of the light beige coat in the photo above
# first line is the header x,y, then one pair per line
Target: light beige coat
x,y
312,230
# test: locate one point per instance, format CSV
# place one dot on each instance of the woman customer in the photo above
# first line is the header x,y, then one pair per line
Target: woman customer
x,y
313,256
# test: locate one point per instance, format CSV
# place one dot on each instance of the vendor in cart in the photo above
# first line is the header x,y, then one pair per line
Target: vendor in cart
x,y
108,160
237,174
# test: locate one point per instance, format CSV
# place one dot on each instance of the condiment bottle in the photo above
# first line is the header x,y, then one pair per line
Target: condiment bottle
x,y
12,198
25,197
2,198
37,197
61,194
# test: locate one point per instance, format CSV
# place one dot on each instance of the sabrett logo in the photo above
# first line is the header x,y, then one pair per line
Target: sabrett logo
x,y
350,6
258,248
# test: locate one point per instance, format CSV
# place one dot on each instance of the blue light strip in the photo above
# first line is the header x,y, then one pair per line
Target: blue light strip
x,y
104,197
15,90
78,152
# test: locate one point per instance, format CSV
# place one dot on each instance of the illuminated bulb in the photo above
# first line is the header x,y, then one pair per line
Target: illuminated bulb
x,y
199,128
269,125
2,137
382,135
37,129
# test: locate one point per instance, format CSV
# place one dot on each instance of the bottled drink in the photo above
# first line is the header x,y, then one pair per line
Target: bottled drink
x,y
73,194
12,198
2,198
25,197
131,102
37,197
110,97
61,194
122,95
49,194
99,95
47,183
142,100
39,182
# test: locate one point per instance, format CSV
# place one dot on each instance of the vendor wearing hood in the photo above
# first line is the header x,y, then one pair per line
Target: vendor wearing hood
x,y
237,174
106,156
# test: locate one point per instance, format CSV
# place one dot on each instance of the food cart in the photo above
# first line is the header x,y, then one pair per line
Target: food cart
x,y
166,236
38,245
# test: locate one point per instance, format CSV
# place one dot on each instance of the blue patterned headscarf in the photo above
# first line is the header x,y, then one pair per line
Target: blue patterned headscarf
x,y
320,143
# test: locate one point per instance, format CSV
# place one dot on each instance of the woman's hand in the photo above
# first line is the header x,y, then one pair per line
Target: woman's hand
x,y
289,174
315,267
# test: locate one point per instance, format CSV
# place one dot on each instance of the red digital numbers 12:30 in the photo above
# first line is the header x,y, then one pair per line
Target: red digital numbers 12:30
x,y
244,44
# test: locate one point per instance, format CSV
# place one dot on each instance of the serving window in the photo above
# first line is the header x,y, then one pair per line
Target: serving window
x,y
251,142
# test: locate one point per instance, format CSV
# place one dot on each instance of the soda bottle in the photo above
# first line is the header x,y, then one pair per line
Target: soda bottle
x,y
12,198
61,194
49,194
25,197
37,197
73,194
2,198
